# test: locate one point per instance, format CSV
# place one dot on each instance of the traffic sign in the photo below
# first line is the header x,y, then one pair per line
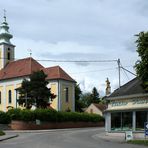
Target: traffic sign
x,y
146,128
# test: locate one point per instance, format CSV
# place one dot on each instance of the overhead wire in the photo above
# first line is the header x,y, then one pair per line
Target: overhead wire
x,y
81,61
94,71
124,72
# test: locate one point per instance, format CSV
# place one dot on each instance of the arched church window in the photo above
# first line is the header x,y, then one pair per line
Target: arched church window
x,y
9,96
8,55
66,94
0,98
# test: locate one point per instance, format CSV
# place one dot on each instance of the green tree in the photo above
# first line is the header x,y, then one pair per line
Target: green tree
x,y
78,102
86,99
142,64
35,91
95,95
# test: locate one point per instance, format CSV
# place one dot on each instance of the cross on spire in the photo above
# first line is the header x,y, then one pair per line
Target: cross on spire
x,y
4,15
30,52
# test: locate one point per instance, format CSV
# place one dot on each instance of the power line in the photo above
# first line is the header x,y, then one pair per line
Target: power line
x,y
94,71
71,61
77,61
124,72
128,71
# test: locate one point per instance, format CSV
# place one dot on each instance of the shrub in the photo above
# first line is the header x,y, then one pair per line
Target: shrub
x,y
46,114
53,116
15,114
4,118
2,133
27,115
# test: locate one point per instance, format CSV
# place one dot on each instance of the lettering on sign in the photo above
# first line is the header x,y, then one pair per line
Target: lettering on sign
x,y
126,102
140,101
119,103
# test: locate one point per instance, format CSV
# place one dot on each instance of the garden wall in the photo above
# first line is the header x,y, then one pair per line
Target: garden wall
x,y
21,125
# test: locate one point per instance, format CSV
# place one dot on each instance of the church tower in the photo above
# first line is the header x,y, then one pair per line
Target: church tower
x,y
108,88
6,48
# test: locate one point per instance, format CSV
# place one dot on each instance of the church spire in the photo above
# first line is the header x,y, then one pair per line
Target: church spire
x,y
108,88
6,47
5,36
4,15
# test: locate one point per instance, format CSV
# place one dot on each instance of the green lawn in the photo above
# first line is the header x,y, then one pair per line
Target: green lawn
x,y
1,133
140,142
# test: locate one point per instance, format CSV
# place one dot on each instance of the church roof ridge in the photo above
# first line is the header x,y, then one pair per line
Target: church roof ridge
x,y
56,72
19,68
26,66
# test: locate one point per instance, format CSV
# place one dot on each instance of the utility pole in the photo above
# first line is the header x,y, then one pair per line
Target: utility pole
x,y
118,62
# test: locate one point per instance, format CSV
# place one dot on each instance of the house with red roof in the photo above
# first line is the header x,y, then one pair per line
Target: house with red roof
x,y
95,108
13,72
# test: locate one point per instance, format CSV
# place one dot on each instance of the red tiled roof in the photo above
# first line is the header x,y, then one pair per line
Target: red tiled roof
x,y
19,68
56,72
25,67
102,107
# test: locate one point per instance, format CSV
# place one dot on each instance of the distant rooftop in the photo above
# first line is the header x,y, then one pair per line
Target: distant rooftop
x,y
101,107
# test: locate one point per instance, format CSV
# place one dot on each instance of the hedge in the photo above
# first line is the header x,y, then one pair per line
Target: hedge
x,y
52,116
4,118
2,133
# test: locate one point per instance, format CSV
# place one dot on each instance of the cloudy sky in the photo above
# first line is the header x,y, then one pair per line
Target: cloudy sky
x,y
79,30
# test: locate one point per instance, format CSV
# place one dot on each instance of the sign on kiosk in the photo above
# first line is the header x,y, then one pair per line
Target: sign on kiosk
x,y
128,135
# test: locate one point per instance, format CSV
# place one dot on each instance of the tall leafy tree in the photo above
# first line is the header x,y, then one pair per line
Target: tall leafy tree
x,y
35,91
142,64
79,105
86,99
95,95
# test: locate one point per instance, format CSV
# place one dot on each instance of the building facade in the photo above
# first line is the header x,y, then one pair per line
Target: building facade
x,y
13,72
95,108
127,108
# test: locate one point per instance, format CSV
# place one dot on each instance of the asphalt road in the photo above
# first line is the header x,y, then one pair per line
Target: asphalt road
x,y
72,138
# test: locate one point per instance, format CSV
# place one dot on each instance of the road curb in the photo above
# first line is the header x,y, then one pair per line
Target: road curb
x,y
8,137
44,131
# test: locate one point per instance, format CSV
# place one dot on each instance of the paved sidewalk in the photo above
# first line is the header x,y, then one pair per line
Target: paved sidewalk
x,y
118,137
111,137
8,136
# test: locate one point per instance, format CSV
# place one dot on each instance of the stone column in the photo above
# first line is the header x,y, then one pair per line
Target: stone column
x,y
134,121
107,121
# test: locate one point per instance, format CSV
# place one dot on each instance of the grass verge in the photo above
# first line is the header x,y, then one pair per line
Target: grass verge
x,y
140,142
2,133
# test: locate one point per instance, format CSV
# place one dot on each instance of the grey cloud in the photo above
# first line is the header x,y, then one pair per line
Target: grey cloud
x,y
82,63
130,45
83,21
142,7
73,56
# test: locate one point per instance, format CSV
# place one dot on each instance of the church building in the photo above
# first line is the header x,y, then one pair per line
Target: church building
x,y
13,72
